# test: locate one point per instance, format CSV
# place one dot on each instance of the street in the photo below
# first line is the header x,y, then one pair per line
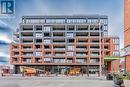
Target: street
x,y
60,81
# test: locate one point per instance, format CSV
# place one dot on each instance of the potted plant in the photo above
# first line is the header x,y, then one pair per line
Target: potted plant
x,y
127,80
118,80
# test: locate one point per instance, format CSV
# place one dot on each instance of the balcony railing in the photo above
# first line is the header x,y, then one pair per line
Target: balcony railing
x,y
94,49
59,48
28,55
27,48
16,55
95,55
15,49
81,49
59,55
81,55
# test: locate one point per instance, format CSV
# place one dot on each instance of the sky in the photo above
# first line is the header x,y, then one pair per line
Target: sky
x,y
114,9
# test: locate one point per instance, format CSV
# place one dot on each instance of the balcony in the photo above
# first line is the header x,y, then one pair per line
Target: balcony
x,y
58,28
82,61
94,49
39,35
47,29
15,49
28,55
25,60
38,60
16,55
27,48
59,55
59,48
69,61
81,55
27,40
47,41
38,54
48,55
94,61
55,60
95,55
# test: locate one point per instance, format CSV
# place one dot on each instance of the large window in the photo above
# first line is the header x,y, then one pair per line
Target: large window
x,y
47,28
76,20
80,60
115,53
59,60
35,21
70,35
46,41
38,53
47,60
38,34
55,20
70,53
92,20
116,41
94,60
70,47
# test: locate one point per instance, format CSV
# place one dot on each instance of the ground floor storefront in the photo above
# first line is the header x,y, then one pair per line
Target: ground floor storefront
x,y
61,69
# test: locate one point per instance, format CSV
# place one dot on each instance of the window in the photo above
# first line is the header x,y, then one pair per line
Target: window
x,y
27,60
38,34
38,27
48,60
27,27
116,41
70,35
76,20
92,20
69,60
46,47
38,53
80,60
46,41
38,46
115,53
116,47
59,60
47,28
94,60
47,34
55,20
70,47
35,21
70,40
70,53
38,40
71,28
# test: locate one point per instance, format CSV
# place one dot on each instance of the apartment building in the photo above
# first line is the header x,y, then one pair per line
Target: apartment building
x,y
59,43
127,33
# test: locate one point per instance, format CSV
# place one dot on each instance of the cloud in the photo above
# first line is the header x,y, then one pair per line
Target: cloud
x,y
3,43
4,39
4,58
2,54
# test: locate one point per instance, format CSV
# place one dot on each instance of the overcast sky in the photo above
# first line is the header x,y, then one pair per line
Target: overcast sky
x,y
112,8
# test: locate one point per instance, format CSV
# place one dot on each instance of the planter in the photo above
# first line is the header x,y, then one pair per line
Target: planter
x,y
127,83
118,82
109,77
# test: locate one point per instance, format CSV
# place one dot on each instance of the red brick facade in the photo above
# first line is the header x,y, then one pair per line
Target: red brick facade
x,y
127,30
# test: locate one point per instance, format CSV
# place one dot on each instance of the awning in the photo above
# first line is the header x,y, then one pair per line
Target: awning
x,y
110,58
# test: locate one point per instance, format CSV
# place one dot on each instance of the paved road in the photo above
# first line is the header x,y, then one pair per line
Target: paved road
x,y
54,82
